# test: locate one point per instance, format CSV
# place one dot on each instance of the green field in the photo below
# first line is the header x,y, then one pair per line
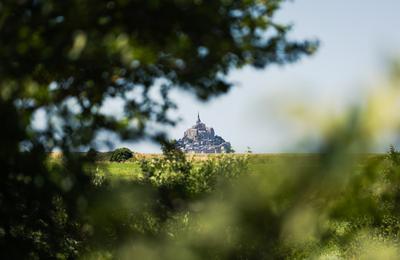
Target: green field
x,y
115,170
130,170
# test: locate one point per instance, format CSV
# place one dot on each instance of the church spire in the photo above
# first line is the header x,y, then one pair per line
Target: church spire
x,y
198,118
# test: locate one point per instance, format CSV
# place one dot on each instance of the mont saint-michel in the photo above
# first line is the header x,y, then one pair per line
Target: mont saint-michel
x,y
202,139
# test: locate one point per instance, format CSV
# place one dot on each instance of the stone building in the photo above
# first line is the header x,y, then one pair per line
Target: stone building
x,y
202,139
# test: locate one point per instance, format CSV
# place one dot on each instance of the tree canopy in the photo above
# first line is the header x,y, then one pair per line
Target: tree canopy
x,y
85,51
65,58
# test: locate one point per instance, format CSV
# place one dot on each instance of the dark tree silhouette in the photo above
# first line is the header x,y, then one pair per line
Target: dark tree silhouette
x,y
65,58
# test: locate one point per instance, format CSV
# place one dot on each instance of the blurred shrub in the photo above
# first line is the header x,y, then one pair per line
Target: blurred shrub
x,y
121,155
394,155
175,171
211,209
169,170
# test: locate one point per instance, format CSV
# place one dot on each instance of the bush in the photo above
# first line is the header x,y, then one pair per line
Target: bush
x,y
394,155
169,170
188,178
121,155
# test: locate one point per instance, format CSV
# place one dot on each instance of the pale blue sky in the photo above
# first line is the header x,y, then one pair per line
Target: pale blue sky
x,y
357,37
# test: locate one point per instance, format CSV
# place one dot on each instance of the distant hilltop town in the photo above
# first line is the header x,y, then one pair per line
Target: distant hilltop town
x,y
202,139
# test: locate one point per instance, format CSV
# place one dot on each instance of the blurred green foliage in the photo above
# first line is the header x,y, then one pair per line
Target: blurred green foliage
x,y
253,207
189,178
66,58
334,204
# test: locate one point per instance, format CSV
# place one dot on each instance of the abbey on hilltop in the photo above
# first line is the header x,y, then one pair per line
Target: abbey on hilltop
x,y
202,139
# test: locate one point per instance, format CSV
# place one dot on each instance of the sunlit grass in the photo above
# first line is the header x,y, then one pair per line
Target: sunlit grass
x,y
115,170
130,170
